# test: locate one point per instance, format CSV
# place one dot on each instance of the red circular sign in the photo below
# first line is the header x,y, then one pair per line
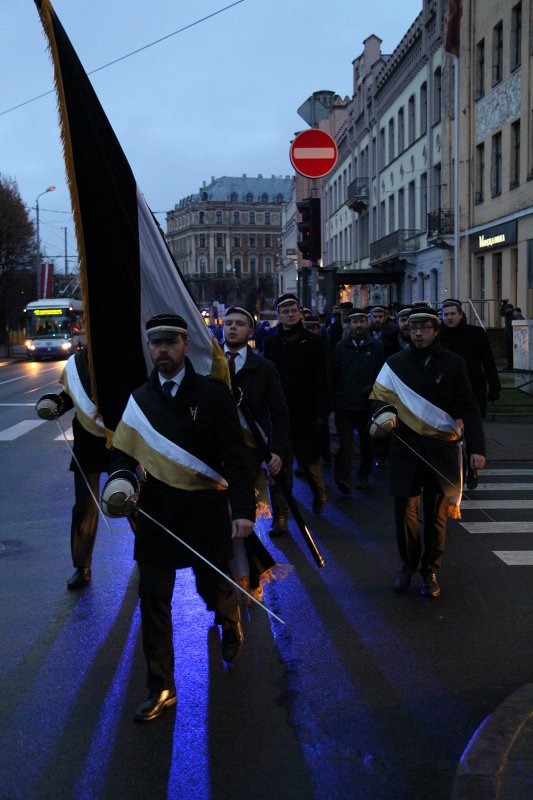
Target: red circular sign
x,y
313,153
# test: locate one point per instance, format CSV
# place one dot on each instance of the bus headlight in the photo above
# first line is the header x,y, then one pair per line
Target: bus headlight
x,y
28,344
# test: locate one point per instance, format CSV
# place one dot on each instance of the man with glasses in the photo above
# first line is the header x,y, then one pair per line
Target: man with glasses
x,y
428,387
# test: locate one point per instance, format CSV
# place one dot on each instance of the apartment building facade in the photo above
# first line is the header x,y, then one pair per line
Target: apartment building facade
x,y
226,239
389,174
496,157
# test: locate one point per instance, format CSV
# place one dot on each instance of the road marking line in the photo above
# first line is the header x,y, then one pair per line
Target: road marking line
x,y
505,487
515,558
498,527
20,429
507,472
478,505
68,435
27,375
26,405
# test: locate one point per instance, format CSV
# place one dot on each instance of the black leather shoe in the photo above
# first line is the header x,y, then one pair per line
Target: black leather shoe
x,y
80,579
430,585
232,641
402,580
155,705
472,480
343,487
279,526
319,503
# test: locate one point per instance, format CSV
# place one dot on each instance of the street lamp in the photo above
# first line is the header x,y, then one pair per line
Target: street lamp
x,y
49,189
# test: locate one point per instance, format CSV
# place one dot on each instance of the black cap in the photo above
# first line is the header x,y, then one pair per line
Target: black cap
x,y
423,314
284,299
241,310
404,311
346,306
357,312
451,302
165,326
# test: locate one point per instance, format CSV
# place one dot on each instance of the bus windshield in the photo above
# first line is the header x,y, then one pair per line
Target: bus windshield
x,y
52,323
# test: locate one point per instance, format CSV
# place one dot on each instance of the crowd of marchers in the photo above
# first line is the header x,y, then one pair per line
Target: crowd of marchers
x,y
194,460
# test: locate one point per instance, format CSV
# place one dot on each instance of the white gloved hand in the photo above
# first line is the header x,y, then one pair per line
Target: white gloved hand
x,y
383,422
120,494
49,406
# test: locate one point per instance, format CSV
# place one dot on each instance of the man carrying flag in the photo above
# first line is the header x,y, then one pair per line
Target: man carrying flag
x,y
427,388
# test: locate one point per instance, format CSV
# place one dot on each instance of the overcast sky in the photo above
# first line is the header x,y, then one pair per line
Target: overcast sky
x,y
217,99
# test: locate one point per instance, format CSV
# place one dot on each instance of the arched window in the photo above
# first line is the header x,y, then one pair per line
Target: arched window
x,y
234,197
268,265
204,196
264,198
279,198
249,198
201,218
236,217
218,217
267,217
220,267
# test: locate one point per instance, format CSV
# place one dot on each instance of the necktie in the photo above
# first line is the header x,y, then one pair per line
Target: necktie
x,y
167,388
231,362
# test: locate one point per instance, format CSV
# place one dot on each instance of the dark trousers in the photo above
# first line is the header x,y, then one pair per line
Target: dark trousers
x,y
84,519
156,587
435,505
313,476
346,422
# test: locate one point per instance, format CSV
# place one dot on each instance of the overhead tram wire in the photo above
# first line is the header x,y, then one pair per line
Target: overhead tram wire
x,y
128,55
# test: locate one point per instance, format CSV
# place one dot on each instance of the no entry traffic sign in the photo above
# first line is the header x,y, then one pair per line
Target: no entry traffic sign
x,y
313,153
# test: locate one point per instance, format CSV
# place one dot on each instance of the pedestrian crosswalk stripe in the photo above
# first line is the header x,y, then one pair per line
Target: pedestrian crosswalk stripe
x,y
505,487
498,527
20,429
478,505
68,434
504,471
515,558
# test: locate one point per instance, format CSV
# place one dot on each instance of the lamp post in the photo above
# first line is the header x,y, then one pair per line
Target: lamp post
x,y
49,189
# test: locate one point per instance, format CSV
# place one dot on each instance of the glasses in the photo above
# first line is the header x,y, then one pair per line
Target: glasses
x,y
420,328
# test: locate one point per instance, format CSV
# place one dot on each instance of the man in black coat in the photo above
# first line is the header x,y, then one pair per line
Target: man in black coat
x,y
184,429
383,328
354,364
256,384
429,387
301,360
472,343
89,448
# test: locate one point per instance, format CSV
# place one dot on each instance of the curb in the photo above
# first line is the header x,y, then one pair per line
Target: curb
x,y
487,760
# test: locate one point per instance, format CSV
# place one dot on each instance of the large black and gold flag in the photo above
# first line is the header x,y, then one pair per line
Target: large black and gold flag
x,y
127,272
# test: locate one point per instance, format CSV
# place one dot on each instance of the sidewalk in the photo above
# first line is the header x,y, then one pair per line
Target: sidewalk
x,y
498,762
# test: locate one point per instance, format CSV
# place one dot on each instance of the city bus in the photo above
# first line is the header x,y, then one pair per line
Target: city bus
x,y
54,328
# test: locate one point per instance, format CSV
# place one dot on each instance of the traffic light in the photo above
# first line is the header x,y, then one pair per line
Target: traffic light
x,y
310,244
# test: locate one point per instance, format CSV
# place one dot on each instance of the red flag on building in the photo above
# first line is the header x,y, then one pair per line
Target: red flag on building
x,y
453,31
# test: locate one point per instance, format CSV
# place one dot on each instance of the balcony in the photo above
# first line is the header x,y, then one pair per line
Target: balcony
x,y
357,195
440,228
394,247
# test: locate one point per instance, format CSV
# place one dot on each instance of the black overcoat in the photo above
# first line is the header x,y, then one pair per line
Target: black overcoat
x,y
444,382
301,360
202,419
472,343
260,383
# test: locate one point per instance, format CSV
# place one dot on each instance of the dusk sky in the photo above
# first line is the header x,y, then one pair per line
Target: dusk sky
x,y
219,98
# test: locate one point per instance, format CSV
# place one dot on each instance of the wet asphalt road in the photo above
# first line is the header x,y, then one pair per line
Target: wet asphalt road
x,y
361,694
